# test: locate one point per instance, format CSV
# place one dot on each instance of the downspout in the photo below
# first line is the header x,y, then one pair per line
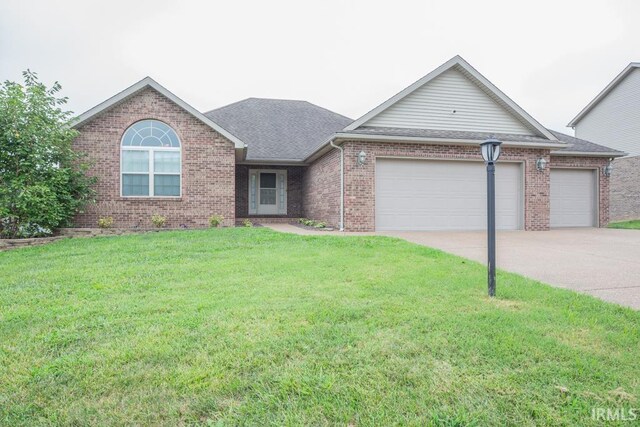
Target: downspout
x,y
341,183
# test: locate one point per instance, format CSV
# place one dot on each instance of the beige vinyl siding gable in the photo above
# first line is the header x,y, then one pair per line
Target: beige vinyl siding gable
x,y
432,106
615,120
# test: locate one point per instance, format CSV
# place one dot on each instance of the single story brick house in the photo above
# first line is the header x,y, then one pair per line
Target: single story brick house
x,y
411,163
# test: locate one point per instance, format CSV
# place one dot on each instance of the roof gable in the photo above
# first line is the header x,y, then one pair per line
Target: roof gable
x,y
610,87
453,97
148,82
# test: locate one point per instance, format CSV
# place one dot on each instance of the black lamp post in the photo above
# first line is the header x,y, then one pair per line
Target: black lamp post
x,y
490,153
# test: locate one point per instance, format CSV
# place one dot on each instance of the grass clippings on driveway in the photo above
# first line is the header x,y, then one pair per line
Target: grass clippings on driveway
x,y
250,326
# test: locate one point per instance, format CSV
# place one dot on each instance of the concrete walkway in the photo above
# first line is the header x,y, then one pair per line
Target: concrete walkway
x,y
601,262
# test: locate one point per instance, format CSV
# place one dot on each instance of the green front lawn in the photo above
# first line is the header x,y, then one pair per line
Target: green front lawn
x,y
634,224
248,326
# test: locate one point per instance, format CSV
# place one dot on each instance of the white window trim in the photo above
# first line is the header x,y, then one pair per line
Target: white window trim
x,y
151,173
281,199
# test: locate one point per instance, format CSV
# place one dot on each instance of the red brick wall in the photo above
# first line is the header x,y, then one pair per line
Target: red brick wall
x,y
208,167
294,191
321,189
625,189
360,180
604,181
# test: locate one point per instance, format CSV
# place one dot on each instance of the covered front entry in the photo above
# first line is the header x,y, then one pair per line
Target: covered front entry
x,y
445,195
267,192
573,198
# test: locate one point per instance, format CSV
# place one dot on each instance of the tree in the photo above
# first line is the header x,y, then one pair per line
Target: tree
x,y
43,181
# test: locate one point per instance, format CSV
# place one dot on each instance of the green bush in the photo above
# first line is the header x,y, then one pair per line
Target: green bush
x,y
216,221
43,181
312,223
247,223
105,222
158,221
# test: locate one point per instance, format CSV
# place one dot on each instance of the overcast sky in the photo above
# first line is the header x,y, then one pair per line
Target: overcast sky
x,y
551,57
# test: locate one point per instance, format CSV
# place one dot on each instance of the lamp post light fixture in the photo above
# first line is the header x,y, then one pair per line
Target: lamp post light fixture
x,y
608,169
362,156
541,164
490,153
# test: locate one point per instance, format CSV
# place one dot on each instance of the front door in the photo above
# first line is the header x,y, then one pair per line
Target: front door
x,y
267,194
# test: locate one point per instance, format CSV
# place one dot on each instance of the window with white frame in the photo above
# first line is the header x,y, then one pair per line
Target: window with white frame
x,y
150,161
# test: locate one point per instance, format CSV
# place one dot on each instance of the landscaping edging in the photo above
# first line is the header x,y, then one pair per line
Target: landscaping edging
x,y
7,244
68,233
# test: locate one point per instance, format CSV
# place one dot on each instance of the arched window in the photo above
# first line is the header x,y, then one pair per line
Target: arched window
x,y
150,160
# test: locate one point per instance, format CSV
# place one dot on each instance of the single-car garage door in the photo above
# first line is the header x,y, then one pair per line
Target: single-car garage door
x,y
573,198
445,195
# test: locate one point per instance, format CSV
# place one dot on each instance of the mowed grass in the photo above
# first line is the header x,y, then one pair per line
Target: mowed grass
x,y
252,327
631,225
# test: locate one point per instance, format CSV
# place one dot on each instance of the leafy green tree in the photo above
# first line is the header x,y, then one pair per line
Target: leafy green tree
x,y
43,181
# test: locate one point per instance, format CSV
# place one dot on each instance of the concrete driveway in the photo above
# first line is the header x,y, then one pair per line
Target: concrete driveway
x,y
602,262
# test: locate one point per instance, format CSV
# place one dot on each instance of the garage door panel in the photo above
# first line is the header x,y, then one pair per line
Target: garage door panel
x,y
444,195
573,198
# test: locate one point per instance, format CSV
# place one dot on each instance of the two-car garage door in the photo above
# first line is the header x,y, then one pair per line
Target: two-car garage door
x,y
445,195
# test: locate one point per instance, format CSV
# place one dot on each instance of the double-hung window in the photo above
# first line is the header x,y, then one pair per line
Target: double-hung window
x,y
150,161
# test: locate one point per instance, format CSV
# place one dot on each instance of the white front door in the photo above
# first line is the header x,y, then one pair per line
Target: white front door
x,y
267,192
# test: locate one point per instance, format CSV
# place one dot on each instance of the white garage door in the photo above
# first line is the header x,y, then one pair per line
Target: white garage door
x,y
445,195
573,198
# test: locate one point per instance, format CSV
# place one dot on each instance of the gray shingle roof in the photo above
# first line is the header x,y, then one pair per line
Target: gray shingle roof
x,y
581,145
567,143
277,129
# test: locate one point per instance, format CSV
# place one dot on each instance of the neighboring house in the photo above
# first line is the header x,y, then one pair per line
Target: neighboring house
x,y
412,163
613,118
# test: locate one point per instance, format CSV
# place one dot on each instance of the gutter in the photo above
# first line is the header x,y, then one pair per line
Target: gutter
x,y
341,183
280,162
447,141
423,140
589,154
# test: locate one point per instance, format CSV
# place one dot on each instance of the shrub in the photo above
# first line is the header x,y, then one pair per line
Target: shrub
x,y
247,223
312,223
158,221
43,181
216,221
26,230
105,222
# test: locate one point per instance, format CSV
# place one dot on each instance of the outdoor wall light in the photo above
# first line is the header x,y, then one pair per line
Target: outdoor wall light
x,y
362,156
491,152
541,164
607,169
